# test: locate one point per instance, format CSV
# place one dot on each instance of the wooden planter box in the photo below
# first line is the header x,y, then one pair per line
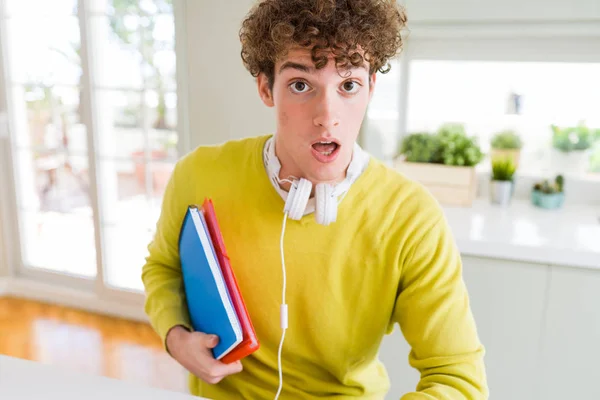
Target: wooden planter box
x,y
450,185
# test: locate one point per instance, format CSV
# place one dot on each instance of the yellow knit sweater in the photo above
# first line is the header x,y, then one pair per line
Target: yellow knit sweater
x,y
390,258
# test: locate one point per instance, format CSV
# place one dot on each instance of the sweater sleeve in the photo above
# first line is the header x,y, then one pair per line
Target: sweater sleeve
x,y
433,312
165,302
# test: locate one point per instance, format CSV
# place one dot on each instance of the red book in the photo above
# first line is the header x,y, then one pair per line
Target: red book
x,y
249,342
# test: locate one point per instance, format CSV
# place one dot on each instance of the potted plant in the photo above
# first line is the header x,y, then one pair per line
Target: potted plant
x,y
420,147
444,162
570,147
506,143
549,195
501,185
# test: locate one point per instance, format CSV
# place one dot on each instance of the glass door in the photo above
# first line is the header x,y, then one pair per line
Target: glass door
x,y
136,102
92,110
48,137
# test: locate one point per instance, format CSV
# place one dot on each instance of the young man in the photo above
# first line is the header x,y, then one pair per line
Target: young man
x,y
385,255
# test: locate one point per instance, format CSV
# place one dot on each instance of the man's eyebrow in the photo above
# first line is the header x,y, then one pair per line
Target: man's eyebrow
x,y
297,66
308,69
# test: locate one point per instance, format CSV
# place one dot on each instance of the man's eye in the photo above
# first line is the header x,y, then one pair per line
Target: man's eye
x,y
299,87
350,87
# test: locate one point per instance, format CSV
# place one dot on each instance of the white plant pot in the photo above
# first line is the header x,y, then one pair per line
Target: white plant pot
x,y
501,192
571,163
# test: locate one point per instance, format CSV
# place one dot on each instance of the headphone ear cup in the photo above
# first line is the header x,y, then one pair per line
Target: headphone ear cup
x,y
326,204
297,199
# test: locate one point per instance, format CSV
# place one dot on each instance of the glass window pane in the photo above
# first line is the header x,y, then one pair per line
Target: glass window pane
x,y
57,231
41,7
53,181
117,39
44,50
156,6
48,119
381,133
488,97
126,249
131,191
131,195
123,192
120,130
159,49
58,242
142,48
147,7
161,173
162,119
122,7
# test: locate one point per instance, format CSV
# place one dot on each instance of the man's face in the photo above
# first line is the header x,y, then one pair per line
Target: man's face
x,y
319,114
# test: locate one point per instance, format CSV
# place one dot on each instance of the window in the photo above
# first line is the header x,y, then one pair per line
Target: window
x,y
527,97
382,119
490,79
76,179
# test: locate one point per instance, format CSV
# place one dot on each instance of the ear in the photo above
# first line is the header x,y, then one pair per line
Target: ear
x,y
372,80
264,90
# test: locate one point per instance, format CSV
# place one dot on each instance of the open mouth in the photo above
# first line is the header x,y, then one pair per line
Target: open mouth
x,y
326,151
325,148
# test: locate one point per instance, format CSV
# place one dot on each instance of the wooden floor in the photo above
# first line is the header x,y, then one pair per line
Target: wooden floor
x,y
88,343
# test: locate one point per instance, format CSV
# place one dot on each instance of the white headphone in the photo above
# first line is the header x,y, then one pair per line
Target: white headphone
x,y
325,203
298,203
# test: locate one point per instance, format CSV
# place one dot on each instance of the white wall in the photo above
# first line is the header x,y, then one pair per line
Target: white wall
x,y
223,99
506,10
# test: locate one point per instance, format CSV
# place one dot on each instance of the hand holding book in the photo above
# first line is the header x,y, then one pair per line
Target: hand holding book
x,y
193,350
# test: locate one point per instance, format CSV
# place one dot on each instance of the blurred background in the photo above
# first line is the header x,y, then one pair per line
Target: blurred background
x,y
493,106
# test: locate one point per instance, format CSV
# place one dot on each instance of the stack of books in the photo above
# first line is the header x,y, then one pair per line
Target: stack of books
x,y
214,300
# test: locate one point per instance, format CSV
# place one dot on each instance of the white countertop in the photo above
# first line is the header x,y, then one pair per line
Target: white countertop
x,y
22,379
569,236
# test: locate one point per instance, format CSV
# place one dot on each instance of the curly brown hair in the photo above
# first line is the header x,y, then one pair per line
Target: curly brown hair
x,y
342,27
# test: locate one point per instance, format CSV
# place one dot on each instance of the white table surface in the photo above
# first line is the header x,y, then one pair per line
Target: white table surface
x,y
569,236
22,379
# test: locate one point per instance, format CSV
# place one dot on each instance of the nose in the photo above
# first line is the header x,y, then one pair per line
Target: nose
x,y
326,112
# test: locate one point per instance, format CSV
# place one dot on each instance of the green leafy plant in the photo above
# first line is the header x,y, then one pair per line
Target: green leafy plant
x,y
420,147
503,169
573,138
450,145
547,187
506,140
456,148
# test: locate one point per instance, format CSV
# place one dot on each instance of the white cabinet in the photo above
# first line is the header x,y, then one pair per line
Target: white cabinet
x,y
394,354
540,326
507,299
571,337
482,11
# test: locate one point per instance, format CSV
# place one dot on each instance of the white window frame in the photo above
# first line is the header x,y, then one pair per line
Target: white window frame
x,y
551,41
93,293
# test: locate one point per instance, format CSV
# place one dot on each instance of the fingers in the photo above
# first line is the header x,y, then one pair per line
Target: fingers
x,y
210,341
218,368
220,371
205,366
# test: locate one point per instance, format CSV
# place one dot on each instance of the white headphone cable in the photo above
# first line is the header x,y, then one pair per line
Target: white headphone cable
x,y
284,314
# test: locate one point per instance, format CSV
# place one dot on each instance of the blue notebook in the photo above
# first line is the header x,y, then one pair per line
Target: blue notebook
x,y
210,307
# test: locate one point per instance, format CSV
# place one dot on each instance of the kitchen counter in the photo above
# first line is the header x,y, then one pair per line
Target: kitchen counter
x,y
23,379
569,236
